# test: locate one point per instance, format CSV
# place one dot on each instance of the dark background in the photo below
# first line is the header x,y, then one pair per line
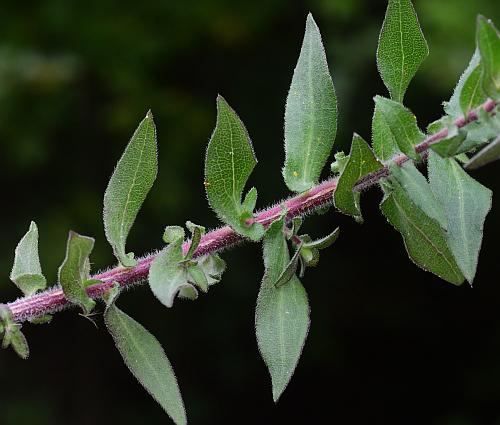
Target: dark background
x,y
389,343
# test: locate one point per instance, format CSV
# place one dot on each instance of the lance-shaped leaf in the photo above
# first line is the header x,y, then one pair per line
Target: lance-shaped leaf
x,y
128,187
282,314
466,203
401,47
402,125
488,43
26,272
419,191
290,269
228,164
384,145
361,162
74,271
168,275
146,360
488,154
310,114
453,106
424,239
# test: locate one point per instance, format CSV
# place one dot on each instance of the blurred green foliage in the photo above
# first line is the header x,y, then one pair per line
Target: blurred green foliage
x,y
76,78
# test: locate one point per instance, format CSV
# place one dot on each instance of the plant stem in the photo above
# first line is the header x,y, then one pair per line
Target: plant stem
x,y
320,196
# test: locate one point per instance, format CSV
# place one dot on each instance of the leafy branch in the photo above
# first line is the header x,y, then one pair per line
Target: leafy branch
x,y
440,215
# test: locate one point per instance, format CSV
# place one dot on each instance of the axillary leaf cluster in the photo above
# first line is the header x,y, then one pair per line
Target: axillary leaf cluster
x,y
439,210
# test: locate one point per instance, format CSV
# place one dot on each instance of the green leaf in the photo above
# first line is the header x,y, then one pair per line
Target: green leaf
x,y
401,47
488,43
323,242
402,125
196,233
424,239
361,162
26,272
310,114
282,314
472,94
418,190
384,145
453,106
146,360
128,187
168,276
229,162
454,143
466,204
73,272
488,154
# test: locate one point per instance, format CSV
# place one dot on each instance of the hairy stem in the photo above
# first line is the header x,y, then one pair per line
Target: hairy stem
x,y
320,196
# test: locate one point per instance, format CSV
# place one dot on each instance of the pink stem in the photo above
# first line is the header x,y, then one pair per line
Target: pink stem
x,y
53,299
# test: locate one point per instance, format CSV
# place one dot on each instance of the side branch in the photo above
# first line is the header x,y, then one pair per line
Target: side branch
x,y
320,196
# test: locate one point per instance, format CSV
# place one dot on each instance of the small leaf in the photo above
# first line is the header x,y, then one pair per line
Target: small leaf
x,y
12,335
402,125
229,162
488,154
401,47
172,233
282,314
26,272
324,242
466,204
196,233
146,360
453,144
73,272
453,106
128,187
310,114
290,269
488,43
424,238
384,145
213,266
361,162
418,190
168,276
197,276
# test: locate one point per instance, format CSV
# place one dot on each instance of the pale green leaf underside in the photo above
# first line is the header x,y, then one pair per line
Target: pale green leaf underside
x,y
228,164
361,162
73,272
472,94
466,203
26,272
310,114
128,187
146,360
424,238
402,124
282,314
401,47
168,277
488,43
